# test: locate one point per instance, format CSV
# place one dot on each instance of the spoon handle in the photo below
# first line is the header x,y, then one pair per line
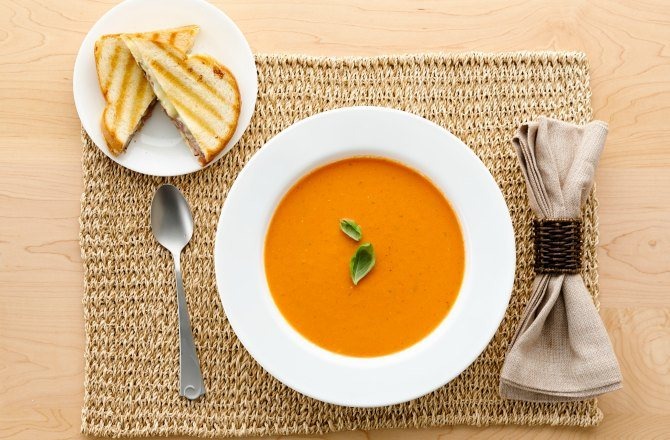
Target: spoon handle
x,y
191,385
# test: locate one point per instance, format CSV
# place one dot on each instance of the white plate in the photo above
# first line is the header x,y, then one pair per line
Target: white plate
x,y
489,247
158,149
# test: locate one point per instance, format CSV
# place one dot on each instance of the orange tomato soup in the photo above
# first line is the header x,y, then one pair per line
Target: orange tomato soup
x,y
419,250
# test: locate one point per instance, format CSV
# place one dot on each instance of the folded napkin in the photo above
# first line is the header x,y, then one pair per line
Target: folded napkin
x,y
561,350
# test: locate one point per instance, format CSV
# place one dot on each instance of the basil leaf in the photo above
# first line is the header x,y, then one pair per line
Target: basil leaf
x,y
351,228
362,262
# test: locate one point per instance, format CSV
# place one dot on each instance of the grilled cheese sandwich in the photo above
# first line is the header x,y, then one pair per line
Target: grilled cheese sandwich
x,y
129,96
200,95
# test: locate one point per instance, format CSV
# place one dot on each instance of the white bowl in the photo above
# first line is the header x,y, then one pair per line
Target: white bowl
x,y
489,248
158,149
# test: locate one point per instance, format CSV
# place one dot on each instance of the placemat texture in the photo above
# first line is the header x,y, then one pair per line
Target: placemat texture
x,y
130,311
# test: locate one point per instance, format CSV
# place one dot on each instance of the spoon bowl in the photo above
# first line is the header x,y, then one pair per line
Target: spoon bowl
x,y
171,219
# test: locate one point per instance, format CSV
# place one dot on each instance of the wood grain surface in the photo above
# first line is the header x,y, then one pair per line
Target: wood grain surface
x,y
41,328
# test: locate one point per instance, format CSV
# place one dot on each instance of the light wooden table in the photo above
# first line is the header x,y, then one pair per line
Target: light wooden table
x,y
41,328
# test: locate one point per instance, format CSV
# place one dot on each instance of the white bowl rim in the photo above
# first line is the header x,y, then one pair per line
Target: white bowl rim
x,y
330,377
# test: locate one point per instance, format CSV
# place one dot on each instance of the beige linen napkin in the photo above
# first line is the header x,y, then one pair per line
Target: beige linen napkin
x,y
561,350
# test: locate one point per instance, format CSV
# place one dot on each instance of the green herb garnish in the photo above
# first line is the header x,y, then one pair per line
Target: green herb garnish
x,y
351,228
362,262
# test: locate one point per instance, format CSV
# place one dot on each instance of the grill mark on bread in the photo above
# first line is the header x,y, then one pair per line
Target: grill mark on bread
x,y
126,76
183,109
140,100
178,105
223,73
226,76
113,61
176,82
194,75
172,38
211,89
140,123
132,89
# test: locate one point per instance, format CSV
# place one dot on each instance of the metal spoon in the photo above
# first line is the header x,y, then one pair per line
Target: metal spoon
x,y
172,225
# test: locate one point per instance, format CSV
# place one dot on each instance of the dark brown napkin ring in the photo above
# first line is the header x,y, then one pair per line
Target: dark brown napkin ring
x,y
558,245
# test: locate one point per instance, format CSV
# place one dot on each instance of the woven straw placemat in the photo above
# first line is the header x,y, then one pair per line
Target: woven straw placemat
x,y
132,362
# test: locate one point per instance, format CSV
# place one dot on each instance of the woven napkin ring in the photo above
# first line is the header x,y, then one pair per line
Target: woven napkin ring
x,y
558,245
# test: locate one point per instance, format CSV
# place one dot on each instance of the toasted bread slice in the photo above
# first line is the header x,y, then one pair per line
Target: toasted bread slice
x,y
127,93
199,94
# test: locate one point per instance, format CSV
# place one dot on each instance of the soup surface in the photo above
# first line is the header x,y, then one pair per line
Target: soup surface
x,y
419,257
